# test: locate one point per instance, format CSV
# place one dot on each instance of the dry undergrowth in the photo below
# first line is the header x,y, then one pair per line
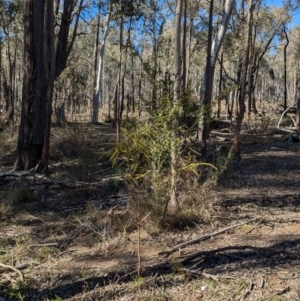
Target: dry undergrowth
x,y
81,243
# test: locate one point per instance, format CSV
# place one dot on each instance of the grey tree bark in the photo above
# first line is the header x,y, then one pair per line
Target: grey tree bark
x,y
98,92
42,64
173,203
38,80
243,80
212,55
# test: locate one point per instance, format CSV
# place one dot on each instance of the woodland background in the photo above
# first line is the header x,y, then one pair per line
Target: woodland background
x,y
149,150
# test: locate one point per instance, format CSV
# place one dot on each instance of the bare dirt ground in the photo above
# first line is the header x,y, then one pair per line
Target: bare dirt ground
x,y
70,236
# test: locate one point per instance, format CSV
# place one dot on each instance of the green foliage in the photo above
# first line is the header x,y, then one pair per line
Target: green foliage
x,y
139,281
145,150
225,92
144,155
17,291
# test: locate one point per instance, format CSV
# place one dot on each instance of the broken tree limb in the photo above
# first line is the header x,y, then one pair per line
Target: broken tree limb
x,y
202,237
284,114
286,130
281,292
9,267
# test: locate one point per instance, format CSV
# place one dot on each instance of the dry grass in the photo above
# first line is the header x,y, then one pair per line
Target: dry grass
x,y
94,238
6,207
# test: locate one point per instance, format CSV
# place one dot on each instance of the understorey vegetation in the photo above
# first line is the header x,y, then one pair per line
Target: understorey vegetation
x,y
149,150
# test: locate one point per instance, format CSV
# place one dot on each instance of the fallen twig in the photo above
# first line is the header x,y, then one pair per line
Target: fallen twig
x,y
202,237
52,244
253,227
281,292
201,273
21,266
63,245
9,267
248,290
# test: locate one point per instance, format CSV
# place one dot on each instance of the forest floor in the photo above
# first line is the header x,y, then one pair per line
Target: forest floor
x,y
70,235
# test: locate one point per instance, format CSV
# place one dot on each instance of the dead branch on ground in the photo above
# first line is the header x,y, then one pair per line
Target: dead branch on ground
x,y
281,292
43,179
202,237
9,267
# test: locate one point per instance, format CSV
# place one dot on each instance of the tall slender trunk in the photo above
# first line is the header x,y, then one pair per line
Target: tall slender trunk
x,y
94,71
296,68
285,67
173,204
213,49
155,61
1,79
118,91
122,91
203,127
132,99
140,94
298,106
125,70
8,85
220,87
185,47
98,90
243,80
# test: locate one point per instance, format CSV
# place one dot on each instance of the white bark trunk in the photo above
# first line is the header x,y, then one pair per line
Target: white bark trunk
x,y
218,40
98,91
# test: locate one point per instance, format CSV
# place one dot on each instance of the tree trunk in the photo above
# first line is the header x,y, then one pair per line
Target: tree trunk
x,y
132,98
173,203
298,107
212,55
8,86
38,82
285,67
203,126
243,81
185,47
99,85
41,66
118,92
220,88
140,94
95,63
64,48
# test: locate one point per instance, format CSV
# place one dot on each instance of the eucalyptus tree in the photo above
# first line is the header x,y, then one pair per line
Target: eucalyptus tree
x,y
267,25
43,62
177,85
284,31
243,79
99,80
125,14
213,48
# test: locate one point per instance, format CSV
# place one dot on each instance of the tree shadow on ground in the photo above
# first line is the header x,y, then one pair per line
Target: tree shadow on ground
x,y
286,201
219,262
